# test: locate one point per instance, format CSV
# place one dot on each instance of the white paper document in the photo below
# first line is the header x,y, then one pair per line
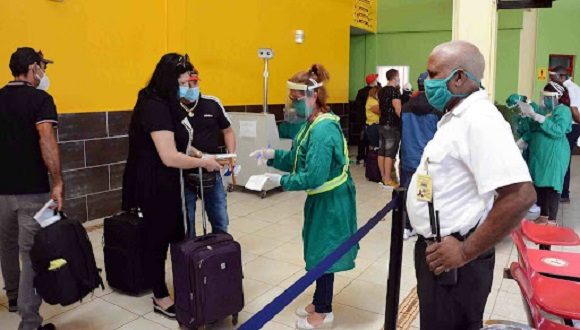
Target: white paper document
x,y
256,182
47,216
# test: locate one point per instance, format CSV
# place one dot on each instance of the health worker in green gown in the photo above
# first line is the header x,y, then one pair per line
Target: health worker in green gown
x,y
318,163
542,130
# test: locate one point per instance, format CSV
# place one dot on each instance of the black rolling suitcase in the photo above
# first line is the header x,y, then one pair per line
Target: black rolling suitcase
x,y
123,249
207,277
372,172
63,260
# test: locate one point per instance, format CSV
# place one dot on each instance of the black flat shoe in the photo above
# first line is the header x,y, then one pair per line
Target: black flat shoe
x,y
13,305
48,326
169,312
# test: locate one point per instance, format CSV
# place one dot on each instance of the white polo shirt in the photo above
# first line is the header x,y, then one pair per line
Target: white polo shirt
x,y
472,154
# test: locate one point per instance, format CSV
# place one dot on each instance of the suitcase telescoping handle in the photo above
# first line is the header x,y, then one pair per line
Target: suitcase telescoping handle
x,y
203,215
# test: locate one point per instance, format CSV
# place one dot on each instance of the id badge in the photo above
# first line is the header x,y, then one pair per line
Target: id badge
x,y
424,188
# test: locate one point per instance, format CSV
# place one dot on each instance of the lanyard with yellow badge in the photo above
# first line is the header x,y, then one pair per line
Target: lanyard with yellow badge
x,y
425,194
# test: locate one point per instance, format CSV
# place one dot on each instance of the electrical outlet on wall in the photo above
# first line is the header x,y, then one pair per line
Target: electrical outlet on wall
x,y
265,53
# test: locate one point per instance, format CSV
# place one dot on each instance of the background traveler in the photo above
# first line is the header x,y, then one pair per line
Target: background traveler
x,y
360,103
158,139
390,127
29,152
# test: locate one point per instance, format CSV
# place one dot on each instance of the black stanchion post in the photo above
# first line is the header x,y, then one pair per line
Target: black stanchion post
x,y
395,261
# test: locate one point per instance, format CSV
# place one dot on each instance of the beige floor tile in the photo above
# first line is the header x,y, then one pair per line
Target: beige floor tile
x,y
161,320
258,245
361,264
349,318
254,289
269,270
139,305
271,214
142,324
291,252
509,306
257,304
8,320
95,315
280,232
376,273
247,225
373,250
364,295
247,257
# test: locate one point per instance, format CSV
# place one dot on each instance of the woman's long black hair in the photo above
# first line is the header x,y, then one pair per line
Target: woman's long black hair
x,y
163,83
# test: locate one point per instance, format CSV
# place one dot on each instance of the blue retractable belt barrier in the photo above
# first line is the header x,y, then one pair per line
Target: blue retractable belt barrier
x,y
285,298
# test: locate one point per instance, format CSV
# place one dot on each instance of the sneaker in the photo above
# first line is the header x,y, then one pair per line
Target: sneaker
x,y
408,233
302,324
169,312
565,200
48,326
13,305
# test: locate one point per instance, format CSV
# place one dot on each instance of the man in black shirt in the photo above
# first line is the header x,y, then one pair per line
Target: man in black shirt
x,y
29,151
390,127
208,121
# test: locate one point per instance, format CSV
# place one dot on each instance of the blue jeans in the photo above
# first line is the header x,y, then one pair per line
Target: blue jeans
x,y
216,207
406,177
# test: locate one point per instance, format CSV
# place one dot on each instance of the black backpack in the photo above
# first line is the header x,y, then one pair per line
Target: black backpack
x,y
62,257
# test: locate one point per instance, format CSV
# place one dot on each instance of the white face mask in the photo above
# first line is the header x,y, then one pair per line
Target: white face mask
x,y
44,83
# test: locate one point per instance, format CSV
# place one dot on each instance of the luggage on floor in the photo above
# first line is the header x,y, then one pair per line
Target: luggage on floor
x,y
372,172
62,257
207,278
123,250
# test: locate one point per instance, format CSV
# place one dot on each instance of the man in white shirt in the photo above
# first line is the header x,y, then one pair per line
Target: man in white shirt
x,y
481,189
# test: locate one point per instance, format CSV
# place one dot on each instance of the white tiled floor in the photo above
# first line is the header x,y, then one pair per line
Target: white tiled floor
x,y
269,232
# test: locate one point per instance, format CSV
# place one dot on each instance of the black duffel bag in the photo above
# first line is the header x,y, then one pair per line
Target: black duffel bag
x,y
63,260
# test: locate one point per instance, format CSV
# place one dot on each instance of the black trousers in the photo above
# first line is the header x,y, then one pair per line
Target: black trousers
x,y
548,200
323,294
458,307
363,144
572,138
164,224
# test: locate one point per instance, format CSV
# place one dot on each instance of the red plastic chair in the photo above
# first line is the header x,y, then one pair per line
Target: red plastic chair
x,y
535,317
561,264
549,235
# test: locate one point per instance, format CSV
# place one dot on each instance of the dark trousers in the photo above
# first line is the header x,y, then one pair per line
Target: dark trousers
x,y
406,177
572,138
164,224
323,294
363,144
548,201
458,307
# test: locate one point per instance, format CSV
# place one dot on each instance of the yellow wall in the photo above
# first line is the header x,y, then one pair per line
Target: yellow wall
x,y
105,50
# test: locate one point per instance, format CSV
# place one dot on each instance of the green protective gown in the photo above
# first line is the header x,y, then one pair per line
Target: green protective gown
x,y
329,217
548,153
288,130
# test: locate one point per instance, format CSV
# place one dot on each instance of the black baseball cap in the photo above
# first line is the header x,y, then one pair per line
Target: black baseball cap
x,y
23,57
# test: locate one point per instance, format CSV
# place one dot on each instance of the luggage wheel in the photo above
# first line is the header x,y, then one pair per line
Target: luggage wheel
x,y
235,319
263,194
230,188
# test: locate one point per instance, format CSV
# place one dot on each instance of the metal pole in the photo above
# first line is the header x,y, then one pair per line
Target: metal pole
x,y
266,75
395,261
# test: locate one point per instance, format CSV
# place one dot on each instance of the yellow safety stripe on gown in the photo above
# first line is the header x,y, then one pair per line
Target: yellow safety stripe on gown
x,y
335,182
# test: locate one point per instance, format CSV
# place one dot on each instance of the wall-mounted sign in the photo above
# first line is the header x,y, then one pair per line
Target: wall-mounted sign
x,y
364,14
542,73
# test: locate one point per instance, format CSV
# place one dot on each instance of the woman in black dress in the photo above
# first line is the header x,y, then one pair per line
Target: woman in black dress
x,y
158,140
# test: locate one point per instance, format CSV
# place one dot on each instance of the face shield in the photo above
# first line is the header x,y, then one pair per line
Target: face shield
x,y
549,100
300,101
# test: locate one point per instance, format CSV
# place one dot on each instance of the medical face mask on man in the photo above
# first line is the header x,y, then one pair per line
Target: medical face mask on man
x,y
44,82
192,94
438,93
